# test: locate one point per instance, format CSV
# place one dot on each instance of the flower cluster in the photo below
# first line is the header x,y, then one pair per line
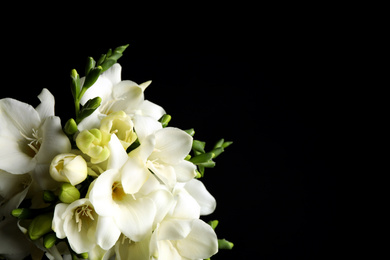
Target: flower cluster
x,y
116,181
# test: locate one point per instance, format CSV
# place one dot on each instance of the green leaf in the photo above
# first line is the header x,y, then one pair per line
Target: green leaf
x,y
224,244
88,108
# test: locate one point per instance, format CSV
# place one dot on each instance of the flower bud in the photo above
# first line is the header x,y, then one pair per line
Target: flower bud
x,y
92,144
69,167
48,196
49,240
22,213
120,124
68,193
40,225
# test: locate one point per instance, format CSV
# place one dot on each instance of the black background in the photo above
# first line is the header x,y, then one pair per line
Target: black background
x,y
268,85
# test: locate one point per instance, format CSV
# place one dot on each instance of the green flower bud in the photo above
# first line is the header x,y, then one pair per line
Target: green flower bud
x,y
92,144
48,196
84,255
22,213
49,240
70,127
165,119
224,244
69,193
40,225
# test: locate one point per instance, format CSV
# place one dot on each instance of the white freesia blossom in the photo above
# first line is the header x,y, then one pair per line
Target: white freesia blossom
x,y
69,167
132,214
118,95
162,150
183,239
30,138
181,234
78,222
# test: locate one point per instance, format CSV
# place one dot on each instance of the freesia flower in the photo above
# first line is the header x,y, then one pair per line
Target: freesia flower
x,y
132,214
118,95
30,138
162,150
77,222
183,239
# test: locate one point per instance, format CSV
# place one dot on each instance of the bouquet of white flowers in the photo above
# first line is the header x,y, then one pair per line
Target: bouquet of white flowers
x,y
114,182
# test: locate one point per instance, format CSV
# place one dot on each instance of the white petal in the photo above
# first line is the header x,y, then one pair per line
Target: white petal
x,y
17,117
14,244
113,74
166,251
54,140
102,88
145,126
201,242
135,251
174,229
152,110
107,233
163,200
128,96
58,221
134,175
186,206
143,151
136,217
118,155
172,145
92,121
46,108
13,159
185,171
199,192
101,193
164,172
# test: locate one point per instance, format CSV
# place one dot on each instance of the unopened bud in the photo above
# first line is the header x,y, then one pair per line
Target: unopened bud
x,y
49,240
40,225
92,144
69,193
48,196
84,255
22,213
70,127
69,167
